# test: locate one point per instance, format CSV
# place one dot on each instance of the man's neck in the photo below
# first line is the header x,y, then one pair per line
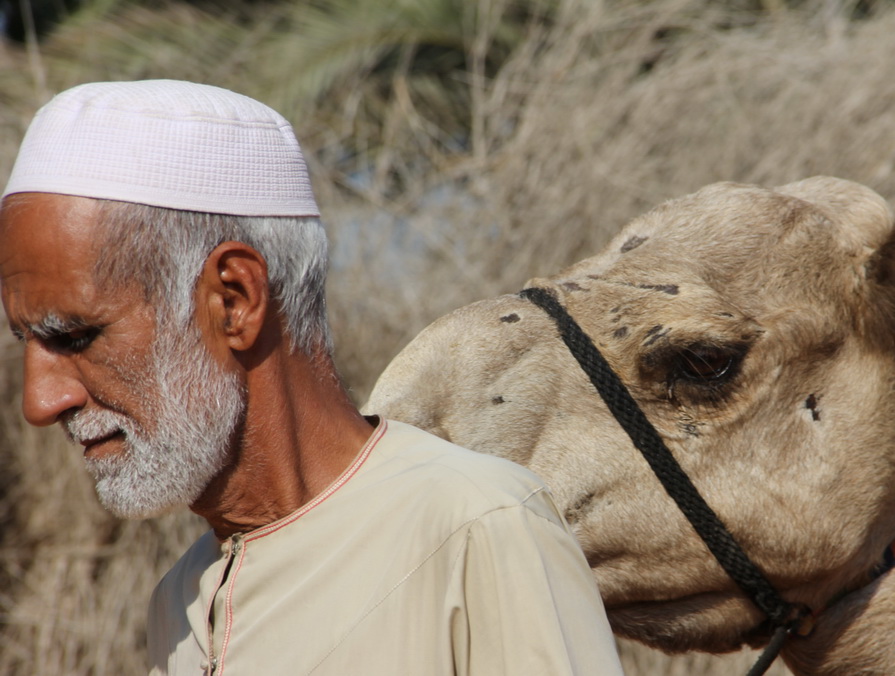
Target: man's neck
x,y
301,431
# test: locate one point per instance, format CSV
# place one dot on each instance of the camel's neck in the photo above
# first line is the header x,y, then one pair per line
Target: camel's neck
x,y
886,563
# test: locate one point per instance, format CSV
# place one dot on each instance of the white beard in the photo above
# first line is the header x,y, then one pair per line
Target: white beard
x,y
197,407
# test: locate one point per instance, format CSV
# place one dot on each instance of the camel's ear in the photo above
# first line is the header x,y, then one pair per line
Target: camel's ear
x,y
861,221
863,217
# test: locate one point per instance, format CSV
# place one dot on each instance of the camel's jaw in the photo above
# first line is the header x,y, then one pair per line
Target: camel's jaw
x,y
724,621
711,622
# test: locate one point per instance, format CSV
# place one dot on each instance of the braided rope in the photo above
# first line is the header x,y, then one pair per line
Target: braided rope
x,y
766,659
675,481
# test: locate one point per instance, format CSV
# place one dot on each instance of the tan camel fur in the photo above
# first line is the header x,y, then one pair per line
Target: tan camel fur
x,y
756,329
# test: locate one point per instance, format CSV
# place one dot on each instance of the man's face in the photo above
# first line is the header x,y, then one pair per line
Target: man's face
x,y
155,413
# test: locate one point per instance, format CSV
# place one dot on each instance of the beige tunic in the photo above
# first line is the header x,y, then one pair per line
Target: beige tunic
x,y
421,559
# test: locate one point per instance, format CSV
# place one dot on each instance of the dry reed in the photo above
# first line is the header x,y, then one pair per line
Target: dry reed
x,y
615,108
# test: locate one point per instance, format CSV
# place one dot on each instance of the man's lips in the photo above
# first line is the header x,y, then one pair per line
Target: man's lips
x,y
90,443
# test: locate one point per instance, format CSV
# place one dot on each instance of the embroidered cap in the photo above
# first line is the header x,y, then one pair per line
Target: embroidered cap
x,y
166,143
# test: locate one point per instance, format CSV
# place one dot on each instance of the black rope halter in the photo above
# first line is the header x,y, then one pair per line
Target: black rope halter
x,y
784,616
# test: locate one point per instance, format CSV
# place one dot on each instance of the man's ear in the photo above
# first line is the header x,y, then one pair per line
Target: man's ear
x,y
233,295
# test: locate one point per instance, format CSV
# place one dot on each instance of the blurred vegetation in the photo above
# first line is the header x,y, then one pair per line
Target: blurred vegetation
x,y
458,147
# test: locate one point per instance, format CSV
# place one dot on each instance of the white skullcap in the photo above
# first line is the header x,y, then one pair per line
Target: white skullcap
x,y
166,143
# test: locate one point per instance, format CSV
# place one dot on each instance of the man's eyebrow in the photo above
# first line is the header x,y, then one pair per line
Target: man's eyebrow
x,y
53,326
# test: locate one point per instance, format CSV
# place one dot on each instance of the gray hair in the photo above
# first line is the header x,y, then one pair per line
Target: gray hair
x,y
163,250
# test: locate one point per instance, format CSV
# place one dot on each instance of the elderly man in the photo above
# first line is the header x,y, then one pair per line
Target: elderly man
x,y
162,260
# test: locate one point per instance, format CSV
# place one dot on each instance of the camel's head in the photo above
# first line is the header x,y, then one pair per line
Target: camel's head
x,y
756,330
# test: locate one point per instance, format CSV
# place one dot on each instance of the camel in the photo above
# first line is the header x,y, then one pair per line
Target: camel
x,y
755,328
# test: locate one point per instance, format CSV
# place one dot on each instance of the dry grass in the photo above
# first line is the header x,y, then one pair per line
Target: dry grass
x,y
618,107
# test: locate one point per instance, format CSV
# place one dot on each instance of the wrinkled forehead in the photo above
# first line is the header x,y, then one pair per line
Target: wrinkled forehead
x,y
49,218
46,239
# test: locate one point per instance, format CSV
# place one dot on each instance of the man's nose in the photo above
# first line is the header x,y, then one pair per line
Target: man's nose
x,y
52,385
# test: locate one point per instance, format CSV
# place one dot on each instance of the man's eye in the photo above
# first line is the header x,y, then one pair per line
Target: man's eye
x,y
73,341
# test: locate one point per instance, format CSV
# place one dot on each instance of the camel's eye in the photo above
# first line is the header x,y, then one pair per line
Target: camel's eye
x,y
695,372
701,364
